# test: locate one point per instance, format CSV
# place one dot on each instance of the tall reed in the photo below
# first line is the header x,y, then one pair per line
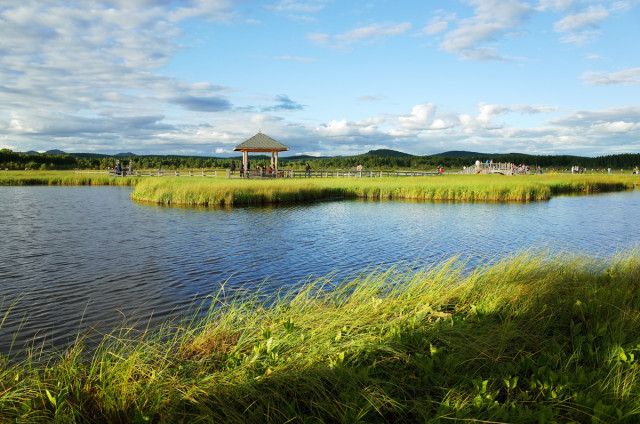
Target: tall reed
x,y
69,178
533,338
190,191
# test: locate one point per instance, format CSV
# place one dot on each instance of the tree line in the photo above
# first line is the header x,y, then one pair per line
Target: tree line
x,y
88,161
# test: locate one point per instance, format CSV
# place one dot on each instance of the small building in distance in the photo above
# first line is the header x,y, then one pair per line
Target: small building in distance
x,y
260,143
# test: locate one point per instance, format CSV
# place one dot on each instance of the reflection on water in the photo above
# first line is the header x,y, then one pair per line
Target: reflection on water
x,y
74,257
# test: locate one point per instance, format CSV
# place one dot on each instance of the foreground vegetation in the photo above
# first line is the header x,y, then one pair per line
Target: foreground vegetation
x,y
535,338
189,191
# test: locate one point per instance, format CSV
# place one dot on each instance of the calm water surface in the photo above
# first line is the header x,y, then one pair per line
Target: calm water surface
x,y
74,257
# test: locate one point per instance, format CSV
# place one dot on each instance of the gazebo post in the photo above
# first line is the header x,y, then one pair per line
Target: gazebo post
x,y
245,161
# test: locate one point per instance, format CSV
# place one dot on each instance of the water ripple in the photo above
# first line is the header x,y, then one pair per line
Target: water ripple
x,y
74,258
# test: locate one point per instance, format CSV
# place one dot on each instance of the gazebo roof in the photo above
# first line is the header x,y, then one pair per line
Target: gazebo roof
x,y
261,143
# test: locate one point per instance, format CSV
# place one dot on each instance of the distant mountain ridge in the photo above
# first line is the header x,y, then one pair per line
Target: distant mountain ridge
x,y
388,153
55,152
462,154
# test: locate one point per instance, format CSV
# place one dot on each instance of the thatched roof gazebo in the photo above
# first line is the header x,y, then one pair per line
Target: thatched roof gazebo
x,y
261,143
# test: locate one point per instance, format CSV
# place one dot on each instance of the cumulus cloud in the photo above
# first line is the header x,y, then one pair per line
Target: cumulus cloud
x,y
587,119
421,117
344,128
616,127
69,69
625,77
92,76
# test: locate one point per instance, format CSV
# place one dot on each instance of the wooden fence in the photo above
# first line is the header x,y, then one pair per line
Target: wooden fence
x,y
266,175
161,173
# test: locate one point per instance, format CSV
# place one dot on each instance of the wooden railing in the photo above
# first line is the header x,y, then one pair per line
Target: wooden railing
x,y
161,173
355,174
287,173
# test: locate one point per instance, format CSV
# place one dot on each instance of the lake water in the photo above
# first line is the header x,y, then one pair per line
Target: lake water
x,y
74,257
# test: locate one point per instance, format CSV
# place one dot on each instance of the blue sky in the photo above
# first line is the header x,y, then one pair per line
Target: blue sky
x,y
324,77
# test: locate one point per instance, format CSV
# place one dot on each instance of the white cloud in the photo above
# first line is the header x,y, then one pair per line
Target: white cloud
x,y
295,10
587,119
534,109
362,35
616,127
89,70
492,19
625,77
439,23
421,117
298,6
579,21
344,128
554,4
92,76
583,27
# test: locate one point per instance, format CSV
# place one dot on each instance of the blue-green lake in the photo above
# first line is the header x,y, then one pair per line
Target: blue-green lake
x,y
80,257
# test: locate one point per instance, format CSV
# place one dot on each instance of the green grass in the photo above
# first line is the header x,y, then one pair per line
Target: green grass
x,y
535,338
222,191
68,178
206,192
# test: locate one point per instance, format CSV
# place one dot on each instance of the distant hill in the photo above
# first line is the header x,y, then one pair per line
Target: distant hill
x,y
388,153
128,154
55,152
303,157
461,154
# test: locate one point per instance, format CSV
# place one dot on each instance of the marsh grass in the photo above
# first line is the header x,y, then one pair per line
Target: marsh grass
x,y
208,192
533,338
68,178
199,191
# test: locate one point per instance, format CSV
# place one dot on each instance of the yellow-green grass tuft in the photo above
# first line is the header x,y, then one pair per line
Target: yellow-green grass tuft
x,y
536,337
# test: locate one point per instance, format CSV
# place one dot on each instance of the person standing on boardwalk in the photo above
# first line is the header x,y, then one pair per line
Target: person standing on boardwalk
x,y
307,169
